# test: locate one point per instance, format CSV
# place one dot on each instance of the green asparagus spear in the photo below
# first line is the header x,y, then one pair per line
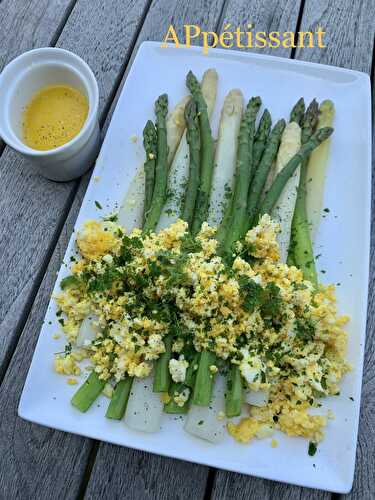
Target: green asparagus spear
x,y
162,377
225,222
193,139
261,174
188,385
150,146
260,138
298,111
192,371
88,392
117,406
300,249
238,221
206,155
308,122
233,396
204,379
161,168
172,406
281,179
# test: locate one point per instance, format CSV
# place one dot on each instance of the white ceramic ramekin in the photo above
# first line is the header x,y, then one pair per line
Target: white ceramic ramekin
x,y
24,76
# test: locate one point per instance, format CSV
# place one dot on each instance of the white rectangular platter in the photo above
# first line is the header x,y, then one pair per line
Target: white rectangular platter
x,y
343,241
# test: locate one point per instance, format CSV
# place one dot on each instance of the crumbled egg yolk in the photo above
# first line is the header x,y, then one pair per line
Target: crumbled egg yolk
x,y
245,430
66,365
256,312
97,239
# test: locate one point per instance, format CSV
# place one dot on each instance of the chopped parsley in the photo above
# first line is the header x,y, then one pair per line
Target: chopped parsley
x,y
304,329
98,205
312,449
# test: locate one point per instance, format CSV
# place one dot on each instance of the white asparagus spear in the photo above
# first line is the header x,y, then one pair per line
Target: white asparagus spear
x,y
257,398
88,330
284,209
316,170
207,422
175,127
145,408
180,166
225,156
131,211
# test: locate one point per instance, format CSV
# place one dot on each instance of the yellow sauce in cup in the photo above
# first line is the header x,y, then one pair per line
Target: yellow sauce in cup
x,y
54,116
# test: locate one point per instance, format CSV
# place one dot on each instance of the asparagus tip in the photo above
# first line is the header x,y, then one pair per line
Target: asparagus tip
x,y
191,112
323,133
161,104
192,82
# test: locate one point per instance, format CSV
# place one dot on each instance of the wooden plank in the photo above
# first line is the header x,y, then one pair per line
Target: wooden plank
x,y
120,472
264,16
26,25
33,209
238,486
36,462
350,28
136,475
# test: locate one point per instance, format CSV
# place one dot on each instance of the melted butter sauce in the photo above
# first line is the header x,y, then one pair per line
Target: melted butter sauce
x,y
54,116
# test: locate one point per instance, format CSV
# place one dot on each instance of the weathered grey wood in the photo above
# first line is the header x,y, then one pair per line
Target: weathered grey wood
x,y
36,462
264,16
120,472
135,475
26,25
350,28
32,209
231,485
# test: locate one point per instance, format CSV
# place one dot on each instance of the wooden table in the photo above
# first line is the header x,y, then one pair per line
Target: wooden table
x,y
37,217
